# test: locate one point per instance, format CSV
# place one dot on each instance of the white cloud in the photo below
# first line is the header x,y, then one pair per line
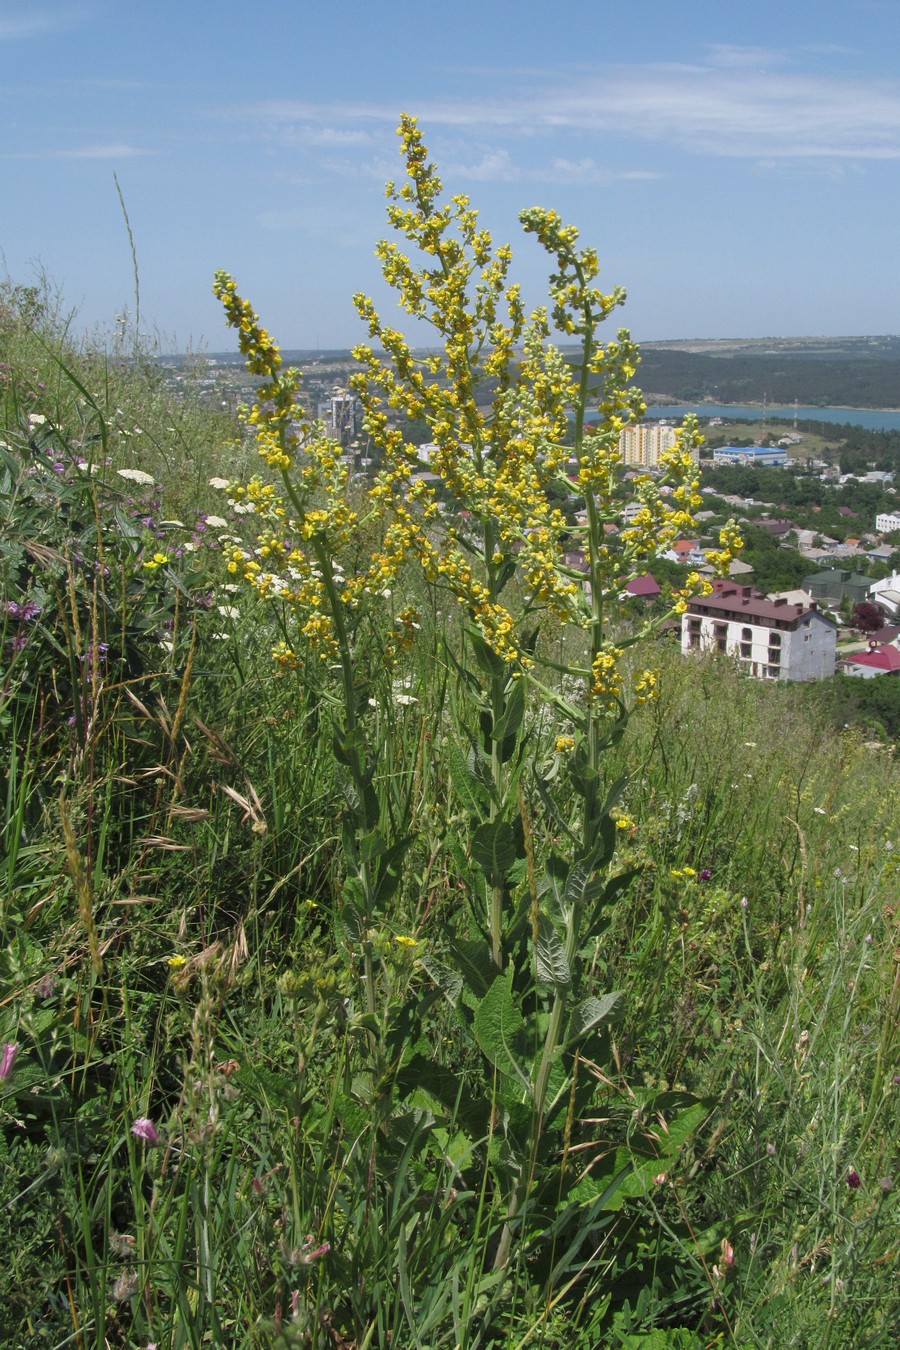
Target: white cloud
x,y
113,151
40,23
725,107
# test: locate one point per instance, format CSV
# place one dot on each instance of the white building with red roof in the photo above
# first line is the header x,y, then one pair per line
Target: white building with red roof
x,y
771,639
878,660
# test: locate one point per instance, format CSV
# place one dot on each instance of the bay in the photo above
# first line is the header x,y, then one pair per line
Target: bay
x,y
873,419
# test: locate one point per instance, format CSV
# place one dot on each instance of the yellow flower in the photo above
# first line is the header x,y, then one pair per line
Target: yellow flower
x,y
564,744
177,961
403,941
158,560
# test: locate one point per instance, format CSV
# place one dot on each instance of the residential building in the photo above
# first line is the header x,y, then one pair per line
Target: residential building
x,y
643,444
689,552
770,638
886,593
887,522
776,528
832,585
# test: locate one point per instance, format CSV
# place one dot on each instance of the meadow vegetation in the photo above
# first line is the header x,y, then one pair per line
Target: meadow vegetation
x,y
400,945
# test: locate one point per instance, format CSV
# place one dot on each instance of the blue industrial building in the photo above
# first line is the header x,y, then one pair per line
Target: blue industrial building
x,y
773,456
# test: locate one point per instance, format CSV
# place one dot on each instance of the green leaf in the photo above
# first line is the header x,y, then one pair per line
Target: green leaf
x,y
372,845
389,870
464,782
449,981
353,922
487,658
475,963
494,849
508,724
610,892
591,1013
550,956
497,1023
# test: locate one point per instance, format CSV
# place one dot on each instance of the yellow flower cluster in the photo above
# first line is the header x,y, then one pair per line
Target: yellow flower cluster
x,y
285,656
564,744
730,545
646,686
606,683
273,413
695,585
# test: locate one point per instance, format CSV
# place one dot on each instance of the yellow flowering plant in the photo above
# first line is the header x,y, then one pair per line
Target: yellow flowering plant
x,y
503,405
515,426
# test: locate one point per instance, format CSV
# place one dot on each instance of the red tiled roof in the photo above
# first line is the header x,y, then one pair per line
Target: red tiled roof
x,y
882,658
744,602
645,585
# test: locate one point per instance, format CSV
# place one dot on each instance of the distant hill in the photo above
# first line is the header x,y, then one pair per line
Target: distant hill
x,y
829,372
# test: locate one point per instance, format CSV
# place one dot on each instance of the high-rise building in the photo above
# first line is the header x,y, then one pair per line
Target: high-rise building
x,y
641,446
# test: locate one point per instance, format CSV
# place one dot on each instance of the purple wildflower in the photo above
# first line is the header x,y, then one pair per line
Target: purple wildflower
x,y
8,1059
144,1128
706,874
853,1180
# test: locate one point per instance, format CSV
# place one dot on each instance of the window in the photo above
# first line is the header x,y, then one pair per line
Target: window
x,y
774,657
745,651
774,639
746,634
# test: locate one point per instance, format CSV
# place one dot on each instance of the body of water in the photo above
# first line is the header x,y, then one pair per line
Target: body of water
x,y
871,418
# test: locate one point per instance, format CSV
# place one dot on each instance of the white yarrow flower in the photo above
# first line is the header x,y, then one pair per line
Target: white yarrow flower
x,y
217,522
220,484
135,475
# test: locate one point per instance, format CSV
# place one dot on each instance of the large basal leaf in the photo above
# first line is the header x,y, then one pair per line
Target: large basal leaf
x,y
550,956
497,1023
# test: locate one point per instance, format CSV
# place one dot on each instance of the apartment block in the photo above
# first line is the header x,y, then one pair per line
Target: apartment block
x,y
771,639
641,446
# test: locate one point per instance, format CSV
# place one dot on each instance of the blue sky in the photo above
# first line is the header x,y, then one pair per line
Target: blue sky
x,y
735,163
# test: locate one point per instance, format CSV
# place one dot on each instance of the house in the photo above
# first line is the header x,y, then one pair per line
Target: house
x,y
876,661
736,568
776,528
686,551
770,638
831,585
645,586
887,522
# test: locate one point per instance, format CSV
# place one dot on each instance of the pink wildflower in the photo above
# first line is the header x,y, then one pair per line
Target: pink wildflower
x,y
145,1129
